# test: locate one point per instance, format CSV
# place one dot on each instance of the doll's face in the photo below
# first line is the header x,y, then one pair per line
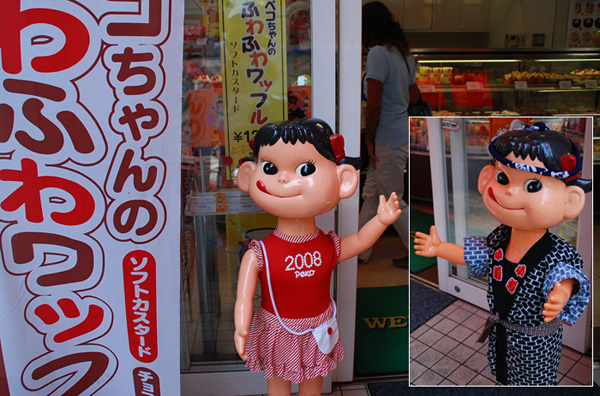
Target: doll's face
x,y
524,199
294,180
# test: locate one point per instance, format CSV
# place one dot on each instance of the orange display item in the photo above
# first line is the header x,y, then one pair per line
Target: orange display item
x,y
471,90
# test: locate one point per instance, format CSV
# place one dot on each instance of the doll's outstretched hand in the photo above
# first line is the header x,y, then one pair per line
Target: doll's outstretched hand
x,y
557,299
388,211
239,338
427,245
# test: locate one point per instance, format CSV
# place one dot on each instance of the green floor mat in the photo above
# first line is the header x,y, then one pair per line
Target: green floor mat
x,y
419,221
381,345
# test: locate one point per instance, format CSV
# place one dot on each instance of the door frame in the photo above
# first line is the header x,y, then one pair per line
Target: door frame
x,y
349,66
454,286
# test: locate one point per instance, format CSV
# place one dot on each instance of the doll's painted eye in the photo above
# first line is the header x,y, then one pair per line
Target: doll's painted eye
x,y
532,185
305,169
269,168
502,178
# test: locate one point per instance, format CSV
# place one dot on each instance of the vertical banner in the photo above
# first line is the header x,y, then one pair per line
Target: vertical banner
x,y
254,70
90,121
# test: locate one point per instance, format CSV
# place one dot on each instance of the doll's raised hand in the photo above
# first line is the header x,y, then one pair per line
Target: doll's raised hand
x,y
388,211
557,299
427,245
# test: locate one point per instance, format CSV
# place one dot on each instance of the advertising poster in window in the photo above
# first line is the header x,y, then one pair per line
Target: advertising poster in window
x,y
90,110
254,73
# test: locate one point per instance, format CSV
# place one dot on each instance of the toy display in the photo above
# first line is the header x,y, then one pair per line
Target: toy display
x,y
299,171
535,278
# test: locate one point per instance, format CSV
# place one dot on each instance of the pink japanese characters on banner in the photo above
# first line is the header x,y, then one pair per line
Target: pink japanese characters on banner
x,y
90,115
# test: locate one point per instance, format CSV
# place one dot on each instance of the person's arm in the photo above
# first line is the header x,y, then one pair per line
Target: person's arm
x,y
431,245
372,113
246,288
387,212
415,94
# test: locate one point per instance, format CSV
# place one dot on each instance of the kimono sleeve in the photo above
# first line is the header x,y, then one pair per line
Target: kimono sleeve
x,y
581,290
476,255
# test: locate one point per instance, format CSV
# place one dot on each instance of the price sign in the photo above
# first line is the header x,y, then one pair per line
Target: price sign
x,y
428,88
474,86
564,84
520,85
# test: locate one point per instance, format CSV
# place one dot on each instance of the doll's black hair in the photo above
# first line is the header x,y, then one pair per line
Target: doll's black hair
x,y
550,147
312,130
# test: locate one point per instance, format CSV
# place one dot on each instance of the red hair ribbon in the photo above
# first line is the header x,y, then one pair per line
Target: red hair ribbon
x,y
568,162
337,144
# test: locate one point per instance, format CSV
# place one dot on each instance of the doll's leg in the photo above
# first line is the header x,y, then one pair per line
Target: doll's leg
x,y
279,387
311,387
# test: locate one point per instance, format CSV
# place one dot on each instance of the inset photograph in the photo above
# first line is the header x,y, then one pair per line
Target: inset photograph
x,y
501,255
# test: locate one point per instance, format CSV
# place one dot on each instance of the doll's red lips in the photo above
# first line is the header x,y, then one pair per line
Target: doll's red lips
x,y
493,197
261,186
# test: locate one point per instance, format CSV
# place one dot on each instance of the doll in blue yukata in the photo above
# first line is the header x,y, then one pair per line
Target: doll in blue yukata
x,y
535,277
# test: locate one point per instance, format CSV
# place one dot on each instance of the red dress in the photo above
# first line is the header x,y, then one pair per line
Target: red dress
x,y
300,269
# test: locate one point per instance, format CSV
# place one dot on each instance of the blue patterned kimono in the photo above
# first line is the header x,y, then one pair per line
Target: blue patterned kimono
x,y
516,358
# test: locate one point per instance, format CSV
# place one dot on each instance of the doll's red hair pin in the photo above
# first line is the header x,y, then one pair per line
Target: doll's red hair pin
x,y
337,144
568,162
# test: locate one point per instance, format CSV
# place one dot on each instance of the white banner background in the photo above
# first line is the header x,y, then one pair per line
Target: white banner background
x,y
90,123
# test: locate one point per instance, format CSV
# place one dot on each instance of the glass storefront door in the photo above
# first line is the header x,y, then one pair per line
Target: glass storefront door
x,y
458,151
244,62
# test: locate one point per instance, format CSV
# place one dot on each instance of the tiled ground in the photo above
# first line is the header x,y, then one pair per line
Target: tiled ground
x,y
444,351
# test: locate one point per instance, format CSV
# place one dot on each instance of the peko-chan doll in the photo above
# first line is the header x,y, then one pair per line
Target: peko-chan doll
x,y
535,277
299,171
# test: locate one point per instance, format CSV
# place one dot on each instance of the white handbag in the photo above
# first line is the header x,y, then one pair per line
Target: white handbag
x,y
326,335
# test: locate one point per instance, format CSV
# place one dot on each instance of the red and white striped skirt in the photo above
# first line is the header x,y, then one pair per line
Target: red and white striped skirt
x,y
286,355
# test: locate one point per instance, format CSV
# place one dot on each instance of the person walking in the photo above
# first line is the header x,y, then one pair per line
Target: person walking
x,y
390,86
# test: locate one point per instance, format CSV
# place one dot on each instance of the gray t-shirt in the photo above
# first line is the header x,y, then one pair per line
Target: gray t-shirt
x,y
389,67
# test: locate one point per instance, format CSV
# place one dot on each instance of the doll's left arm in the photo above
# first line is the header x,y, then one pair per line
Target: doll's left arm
x,y
387,212
567,290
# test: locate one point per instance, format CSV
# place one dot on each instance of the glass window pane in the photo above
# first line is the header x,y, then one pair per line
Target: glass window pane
x,y
218,221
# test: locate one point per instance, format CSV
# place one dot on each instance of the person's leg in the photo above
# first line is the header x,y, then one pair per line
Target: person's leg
x,y
369,206
311,387
279,387
389,177
401,225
